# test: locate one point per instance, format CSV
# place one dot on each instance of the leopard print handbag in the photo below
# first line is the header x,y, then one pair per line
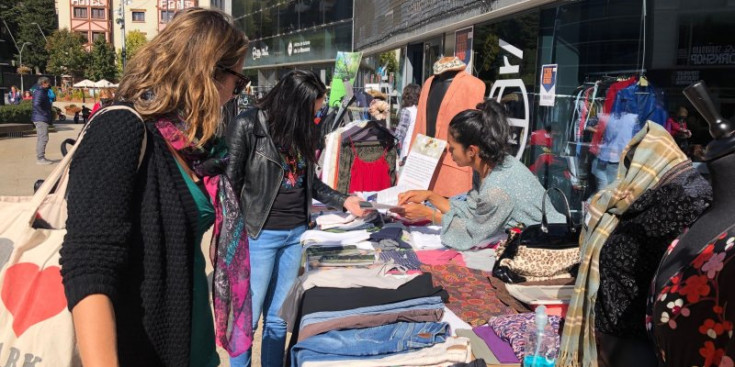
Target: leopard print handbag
x,y
540,251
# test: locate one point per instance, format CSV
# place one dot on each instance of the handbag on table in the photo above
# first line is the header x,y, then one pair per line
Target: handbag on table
x,y
35,324
540,251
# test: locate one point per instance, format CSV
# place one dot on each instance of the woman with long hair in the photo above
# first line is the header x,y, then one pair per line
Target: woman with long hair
x,y
132,265
504,192
272,159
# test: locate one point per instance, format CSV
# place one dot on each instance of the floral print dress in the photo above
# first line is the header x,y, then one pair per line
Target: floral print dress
x,y
690,319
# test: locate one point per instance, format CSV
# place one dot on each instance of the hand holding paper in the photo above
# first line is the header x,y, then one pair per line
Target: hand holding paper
x,y
413,196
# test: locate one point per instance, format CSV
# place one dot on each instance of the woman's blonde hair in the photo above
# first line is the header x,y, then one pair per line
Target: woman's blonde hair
x,y
176,72
105,93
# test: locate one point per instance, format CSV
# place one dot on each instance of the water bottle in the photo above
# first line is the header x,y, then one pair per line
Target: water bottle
x,y
541,346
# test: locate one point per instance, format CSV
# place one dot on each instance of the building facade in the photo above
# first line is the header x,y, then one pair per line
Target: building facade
x,y
287,34
583,46
99,18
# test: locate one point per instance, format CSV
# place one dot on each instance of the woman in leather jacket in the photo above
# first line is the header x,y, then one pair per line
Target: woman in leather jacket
x,y
272,158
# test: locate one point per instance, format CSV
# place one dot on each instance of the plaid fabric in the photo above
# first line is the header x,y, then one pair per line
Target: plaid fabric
x,y
654,154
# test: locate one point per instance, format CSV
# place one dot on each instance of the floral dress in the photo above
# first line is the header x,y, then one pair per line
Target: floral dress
x,y
689,318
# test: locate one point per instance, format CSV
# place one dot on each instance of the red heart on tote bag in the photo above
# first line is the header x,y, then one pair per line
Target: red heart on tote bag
x,y
31,295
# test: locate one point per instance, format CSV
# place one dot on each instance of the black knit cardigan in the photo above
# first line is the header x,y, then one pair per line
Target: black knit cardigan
x,y
130,236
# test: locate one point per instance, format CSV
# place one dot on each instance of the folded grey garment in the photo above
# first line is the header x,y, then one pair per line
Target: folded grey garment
x,y
387,244
366,321
480,259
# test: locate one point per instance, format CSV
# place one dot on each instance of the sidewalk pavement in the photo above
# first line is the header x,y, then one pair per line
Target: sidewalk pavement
x,y
18,159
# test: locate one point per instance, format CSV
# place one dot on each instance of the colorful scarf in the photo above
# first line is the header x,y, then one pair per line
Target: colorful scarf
x,y
229,247
232,300
654,153
207,161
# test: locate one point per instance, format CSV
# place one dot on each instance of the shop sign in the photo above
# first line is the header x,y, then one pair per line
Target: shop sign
x,y
304,46
712,55
463,47
519,126
299,47
548,85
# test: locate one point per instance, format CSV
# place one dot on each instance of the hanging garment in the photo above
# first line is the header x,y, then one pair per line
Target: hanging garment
x,y
369,176
610,96
367,151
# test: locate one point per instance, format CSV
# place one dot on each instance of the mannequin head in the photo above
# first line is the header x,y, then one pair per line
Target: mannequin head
x,y
451,63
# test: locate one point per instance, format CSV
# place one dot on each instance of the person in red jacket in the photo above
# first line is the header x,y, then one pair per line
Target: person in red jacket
x,y
677,127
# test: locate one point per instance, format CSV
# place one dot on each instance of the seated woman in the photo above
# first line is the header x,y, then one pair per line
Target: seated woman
x,y
504,192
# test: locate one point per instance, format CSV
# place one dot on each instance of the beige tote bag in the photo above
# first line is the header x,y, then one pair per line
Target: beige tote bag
x,y
35,325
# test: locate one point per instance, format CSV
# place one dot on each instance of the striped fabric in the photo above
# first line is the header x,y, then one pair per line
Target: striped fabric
x,y
654,153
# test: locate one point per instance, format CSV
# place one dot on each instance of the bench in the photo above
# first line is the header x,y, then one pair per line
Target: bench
x,y
16,130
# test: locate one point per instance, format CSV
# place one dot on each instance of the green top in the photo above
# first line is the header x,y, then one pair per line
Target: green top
x,y
203,351
509,195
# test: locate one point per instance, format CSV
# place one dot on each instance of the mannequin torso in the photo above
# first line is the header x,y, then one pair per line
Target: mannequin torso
x,y
719,217
438,89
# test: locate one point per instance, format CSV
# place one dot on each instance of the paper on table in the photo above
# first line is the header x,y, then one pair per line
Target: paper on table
x,y
418,170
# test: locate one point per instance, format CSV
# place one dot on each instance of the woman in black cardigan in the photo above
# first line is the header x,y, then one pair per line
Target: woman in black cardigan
x,y
130,260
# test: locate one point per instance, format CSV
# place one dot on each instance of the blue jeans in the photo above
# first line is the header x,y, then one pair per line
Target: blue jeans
x,y
274,257
605,172
369,343
423,303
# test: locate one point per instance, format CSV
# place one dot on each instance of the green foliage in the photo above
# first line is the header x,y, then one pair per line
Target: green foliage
x,y
16,113
102,61
134,40
21,16
67,53
389,59
77,94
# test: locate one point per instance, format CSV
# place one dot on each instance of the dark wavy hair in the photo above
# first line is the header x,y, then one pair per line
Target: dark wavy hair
x,y
290,110
410,95
486,127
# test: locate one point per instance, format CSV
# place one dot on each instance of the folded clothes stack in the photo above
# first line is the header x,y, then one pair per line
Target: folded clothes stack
x,y
370,317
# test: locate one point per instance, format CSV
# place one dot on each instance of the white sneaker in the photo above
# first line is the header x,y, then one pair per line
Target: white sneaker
x,y
44,162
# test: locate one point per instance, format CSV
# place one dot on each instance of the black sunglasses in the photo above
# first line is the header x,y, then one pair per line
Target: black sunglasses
x,y
242,80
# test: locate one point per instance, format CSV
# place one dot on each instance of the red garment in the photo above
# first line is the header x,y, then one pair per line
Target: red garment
x,y
95,108
369,176
675,127
540,137
612,93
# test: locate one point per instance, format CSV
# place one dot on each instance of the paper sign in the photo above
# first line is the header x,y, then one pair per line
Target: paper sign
x,y
417,172
548,85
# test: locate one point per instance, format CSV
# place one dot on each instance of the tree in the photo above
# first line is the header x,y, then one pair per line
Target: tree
x,y
389,60
102,61
28,12
67,53
134,40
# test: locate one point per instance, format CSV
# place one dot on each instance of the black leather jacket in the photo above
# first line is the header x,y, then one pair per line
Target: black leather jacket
x,y
256,172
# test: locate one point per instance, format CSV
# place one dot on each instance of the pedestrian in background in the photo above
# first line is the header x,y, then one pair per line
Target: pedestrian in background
x,y
14,96
407,118
105,100
41,116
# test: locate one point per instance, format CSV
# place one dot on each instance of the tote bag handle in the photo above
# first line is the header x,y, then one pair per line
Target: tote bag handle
x,y
60,174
